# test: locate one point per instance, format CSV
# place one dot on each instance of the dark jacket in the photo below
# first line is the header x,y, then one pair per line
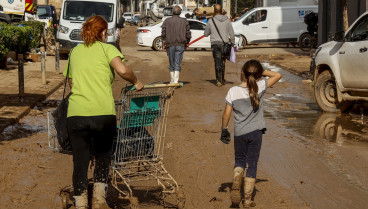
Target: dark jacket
x,y
175,31
225,28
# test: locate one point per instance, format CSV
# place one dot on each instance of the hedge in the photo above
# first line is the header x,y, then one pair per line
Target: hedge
x,y
20,38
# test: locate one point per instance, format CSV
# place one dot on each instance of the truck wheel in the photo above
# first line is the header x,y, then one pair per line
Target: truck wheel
x,y
325,92
327,127
305,42
157,44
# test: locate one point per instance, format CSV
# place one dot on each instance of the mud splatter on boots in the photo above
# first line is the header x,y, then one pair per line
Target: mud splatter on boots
x,y
235,194
249,184
80,202
99,196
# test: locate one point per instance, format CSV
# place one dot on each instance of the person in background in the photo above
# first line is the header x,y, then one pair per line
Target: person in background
x,y
204,17
175,39
246,101
225,34
91,118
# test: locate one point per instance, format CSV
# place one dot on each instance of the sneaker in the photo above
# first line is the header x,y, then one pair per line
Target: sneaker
x,y
218,84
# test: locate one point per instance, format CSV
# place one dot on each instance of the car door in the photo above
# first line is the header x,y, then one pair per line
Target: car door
x,y
256,26
198,39
353,57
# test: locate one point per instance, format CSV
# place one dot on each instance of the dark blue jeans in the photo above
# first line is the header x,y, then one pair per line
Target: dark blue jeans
x,y
247,149
175,54
219,62
91,135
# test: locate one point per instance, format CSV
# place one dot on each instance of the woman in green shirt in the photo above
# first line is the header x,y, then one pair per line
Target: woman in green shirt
x,y
91,111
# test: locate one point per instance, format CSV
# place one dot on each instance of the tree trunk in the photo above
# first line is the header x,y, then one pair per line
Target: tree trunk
x,y
345,15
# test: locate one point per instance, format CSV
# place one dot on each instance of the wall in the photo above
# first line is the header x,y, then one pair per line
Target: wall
x,y
288,2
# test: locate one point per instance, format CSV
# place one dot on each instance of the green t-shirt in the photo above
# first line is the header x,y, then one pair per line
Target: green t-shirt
x,y
92,79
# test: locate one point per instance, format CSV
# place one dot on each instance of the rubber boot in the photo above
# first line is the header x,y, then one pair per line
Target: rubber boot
x,y
176,76
235,195
81,202
172,75
99,196
249,184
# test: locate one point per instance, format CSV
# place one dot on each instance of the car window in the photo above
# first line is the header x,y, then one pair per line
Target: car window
x,y
256,16
196,25
360,32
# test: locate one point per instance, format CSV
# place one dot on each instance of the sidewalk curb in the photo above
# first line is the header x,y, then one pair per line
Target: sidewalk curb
x,y
24,113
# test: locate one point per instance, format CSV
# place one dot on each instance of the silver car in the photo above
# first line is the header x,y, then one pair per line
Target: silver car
x,y
341,68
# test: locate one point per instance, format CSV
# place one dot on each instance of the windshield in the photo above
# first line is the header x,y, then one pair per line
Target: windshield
x,y
168,11
128,15
82,10
43,12
244,15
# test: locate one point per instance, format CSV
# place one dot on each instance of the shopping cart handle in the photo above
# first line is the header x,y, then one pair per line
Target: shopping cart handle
x,y
151,86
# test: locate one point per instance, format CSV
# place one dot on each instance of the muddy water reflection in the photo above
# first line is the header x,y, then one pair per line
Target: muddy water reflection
x,y
338,141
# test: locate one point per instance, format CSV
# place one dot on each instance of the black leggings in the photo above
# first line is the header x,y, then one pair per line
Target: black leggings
x,y
247,149
91,135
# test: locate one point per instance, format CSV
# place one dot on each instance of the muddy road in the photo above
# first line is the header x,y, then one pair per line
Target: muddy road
x,y
308,159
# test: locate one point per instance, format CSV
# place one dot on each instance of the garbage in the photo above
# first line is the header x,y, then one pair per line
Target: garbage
x,y
10,61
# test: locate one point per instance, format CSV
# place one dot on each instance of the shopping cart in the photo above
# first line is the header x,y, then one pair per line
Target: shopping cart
x,y
139,148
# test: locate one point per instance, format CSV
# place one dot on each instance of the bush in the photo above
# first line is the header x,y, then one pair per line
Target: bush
x,y
20,38
37,30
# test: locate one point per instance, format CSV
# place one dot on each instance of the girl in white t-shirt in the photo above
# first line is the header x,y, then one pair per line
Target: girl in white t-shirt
x,y
246,100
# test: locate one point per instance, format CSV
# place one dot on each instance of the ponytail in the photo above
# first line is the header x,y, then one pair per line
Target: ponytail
x,y
253,91
251,72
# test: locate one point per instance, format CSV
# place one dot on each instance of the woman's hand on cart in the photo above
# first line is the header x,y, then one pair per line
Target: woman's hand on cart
x,y
139,85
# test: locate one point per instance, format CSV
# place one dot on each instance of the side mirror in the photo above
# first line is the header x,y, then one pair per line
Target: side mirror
x,y
121,23
339,36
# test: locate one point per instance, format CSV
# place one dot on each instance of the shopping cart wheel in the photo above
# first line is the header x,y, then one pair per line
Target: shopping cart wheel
x,y
181,199
133,203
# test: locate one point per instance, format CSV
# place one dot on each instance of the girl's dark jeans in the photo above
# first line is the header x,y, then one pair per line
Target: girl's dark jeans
x,y
247,149
91,135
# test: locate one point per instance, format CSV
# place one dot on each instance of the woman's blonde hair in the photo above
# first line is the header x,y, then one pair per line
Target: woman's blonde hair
x,y
251,73
92,30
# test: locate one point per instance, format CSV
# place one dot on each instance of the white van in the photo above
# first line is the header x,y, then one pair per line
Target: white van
x,y
273,24
75,12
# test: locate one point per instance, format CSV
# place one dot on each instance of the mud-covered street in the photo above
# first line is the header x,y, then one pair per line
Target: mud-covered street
x,y
309,159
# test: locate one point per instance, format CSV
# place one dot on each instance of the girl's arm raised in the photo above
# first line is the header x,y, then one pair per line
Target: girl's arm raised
x,y
273,77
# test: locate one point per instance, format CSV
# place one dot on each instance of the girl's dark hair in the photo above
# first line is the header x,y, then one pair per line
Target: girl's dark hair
x,y
92,30
251,73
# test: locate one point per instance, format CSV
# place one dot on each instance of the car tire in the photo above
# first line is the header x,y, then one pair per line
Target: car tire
x,y
157,44
325,92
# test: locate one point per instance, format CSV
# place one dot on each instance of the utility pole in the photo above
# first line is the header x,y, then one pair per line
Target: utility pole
x,y
226,5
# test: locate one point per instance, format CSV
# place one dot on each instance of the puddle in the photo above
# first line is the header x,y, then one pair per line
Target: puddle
x,y
35,122
339,140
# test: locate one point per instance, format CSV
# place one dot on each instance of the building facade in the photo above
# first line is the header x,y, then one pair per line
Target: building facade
x,y
330,17
269,3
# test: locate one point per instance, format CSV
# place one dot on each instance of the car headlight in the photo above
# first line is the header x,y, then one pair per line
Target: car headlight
x,y
63,29
110,32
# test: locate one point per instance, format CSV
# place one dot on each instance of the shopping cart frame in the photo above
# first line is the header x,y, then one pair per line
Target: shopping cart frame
x,y
145,111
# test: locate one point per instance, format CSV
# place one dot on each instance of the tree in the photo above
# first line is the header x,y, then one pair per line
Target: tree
x,y
345,15
241,5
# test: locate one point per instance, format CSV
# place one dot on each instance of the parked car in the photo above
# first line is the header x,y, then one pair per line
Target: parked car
x,y
151,36
47,14
273,24
340,68
128,16
135,19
